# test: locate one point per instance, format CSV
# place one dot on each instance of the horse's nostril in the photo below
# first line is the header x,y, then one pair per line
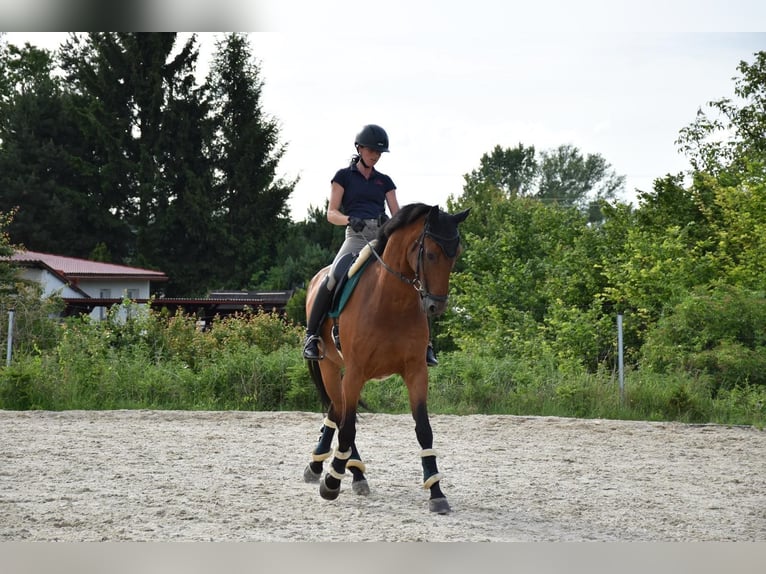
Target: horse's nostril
x,y
434,307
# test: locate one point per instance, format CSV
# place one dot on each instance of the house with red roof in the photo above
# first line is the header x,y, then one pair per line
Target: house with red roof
x,y
92,287
87,286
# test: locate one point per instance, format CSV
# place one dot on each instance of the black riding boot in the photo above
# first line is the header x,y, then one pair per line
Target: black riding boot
x,y
319,309
431,359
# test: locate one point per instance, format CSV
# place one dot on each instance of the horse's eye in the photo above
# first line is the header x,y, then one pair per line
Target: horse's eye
x,y
431,255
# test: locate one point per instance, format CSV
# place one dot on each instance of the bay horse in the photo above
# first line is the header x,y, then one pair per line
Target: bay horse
x,y
383,330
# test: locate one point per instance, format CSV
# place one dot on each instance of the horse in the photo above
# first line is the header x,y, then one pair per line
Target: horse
x,y
383,330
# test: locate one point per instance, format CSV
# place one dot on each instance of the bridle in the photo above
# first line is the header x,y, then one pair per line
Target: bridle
x,y
448,244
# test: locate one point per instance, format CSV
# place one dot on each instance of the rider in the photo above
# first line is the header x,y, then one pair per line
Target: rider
x,y
358,195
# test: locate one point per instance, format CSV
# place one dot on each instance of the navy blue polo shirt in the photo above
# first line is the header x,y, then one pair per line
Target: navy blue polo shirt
x,y
364,198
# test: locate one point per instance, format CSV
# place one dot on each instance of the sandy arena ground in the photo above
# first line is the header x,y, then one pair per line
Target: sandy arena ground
x,y
237,476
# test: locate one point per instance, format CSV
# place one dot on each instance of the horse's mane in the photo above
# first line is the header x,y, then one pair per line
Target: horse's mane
x,y
406,215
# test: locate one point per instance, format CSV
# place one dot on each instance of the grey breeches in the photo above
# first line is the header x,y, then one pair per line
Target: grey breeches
x,y
353,244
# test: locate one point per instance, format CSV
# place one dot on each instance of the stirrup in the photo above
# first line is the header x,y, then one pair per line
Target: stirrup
x,y
311,350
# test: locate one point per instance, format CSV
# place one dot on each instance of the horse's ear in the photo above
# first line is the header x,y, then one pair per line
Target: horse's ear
x,y
433,214
460,217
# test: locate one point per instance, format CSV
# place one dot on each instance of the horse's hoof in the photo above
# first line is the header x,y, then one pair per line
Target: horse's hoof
x,y
360,487
311,476
328,493
439,505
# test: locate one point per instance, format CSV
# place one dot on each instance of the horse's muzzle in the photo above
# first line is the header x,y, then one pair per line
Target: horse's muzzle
x,y
434,305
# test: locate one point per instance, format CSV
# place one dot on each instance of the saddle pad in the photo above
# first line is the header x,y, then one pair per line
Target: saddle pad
x,y
348,286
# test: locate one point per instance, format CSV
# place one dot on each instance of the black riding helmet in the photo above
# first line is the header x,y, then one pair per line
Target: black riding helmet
x,y
374,137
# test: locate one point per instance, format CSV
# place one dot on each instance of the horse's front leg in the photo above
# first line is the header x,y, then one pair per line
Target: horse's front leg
x,y
357,468
431,476
321,452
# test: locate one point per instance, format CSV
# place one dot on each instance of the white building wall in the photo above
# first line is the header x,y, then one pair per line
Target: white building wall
x,y
50,283
117,287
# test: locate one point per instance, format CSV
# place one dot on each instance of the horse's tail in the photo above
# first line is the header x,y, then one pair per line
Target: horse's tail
x,y
316,376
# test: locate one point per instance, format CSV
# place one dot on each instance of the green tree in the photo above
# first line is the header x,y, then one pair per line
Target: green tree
x,y
531,280
512,171
562,176
730,135
569,178
132,94
253,211
509,278
41,151
7,268
739,232
502,175
705,233
310,245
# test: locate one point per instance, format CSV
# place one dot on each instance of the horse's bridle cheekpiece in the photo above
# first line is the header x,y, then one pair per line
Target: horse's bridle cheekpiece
x,y
449,245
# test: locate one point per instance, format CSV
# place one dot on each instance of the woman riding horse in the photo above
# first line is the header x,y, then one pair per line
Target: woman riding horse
x,y
358,195
382,330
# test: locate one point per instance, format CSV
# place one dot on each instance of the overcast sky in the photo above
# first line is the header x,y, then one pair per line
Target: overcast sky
x,y
451,80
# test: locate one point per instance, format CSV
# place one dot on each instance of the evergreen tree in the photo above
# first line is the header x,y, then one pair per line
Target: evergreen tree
x,y
7,268
41,158
185,236
129,89
246,150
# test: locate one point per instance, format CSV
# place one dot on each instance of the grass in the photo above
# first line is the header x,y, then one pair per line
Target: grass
x,y
254,363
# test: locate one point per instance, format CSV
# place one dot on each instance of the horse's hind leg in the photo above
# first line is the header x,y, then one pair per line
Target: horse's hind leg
x,y
321,452
329,487
431,476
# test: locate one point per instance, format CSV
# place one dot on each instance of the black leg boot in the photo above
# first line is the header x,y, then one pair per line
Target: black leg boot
x,y
431,360
430,355
319,309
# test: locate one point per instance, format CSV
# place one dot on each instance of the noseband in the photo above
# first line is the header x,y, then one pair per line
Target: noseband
x,y
448,244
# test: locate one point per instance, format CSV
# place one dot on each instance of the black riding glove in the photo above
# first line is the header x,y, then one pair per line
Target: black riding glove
x,y
356,224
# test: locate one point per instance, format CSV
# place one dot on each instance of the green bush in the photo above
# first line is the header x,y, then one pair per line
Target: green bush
x,y
253,362
719,332
674,396
386,396
731,363
247,378
465,383
34,329
23,387
741,405
266,331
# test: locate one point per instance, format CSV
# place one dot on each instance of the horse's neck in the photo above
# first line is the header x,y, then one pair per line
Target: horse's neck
x,y
395,258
